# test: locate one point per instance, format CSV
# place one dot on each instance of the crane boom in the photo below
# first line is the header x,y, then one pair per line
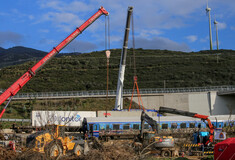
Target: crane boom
x,y
190,114
119,98
15,87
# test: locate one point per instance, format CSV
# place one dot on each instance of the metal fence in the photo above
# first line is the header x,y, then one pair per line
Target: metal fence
x,y
125,92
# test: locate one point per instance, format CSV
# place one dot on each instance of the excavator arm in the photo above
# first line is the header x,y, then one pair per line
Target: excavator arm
x,y
149,120
15,87
190,114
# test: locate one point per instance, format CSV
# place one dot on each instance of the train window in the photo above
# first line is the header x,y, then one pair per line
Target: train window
x,y
96,127
199,125
126,126
225,125
164,126
191,125
220,125
183,125
107,127
146,126
116,127
173,125
136,126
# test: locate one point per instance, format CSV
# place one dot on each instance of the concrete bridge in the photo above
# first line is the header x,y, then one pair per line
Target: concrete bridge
x,y
202,100
207,102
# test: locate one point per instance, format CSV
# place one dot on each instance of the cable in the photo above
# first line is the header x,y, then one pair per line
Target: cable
x,y
133,43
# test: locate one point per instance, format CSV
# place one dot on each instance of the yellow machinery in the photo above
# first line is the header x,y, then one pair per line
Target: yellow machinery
x,y
53,142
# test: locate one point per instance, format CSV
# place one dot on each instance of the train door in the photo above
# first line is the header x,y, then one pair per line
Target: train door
x,y
91,130
95,129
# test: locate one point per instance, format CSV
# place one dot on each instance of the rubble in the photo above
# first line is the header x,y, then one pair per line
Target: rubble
x,y
30,154
6,154
117,149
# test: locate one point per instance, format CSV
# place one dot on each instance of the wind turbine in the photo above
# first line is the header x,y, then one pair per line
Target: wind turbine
x,y
209,16
217,38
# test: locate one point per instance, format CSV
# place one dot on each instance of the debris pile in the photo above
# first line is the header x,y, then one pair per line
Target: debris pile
x,y
117,150
6,154
2,136
30,154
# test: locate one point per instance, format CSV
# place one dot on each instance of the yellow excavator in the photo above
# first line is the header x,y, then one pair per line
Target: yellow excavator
x,y
53,142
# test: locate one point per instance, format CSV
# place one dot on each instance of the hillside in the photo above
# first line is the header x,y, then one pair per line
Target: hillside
x,y
154,69
18,55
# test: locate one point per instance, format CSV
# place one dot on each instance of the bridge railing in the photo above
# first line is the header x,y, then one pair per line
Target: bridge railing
x,y
14,120
125,92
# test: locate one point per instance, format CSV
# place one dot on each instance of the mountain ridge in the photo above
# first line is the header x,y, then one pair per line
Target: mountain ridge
x,y
155,69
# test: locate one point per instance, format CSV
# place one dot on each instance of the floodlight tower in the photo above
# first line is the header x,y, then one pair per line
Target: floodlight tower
x,y
217,38
209,16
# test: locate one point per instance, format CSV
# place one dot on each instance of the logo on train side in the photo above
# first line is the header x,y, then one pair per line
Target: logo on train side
x,y
107,114
71,119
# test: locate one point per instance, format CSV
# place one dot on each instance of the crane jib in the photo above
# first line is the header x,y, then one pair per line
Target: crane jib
x,y
65,42
15,87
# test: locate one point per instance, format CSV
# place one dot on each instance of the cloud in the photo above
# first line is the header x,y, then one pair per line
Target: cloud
x,y
161,14
63,21
161,43
45,41
222,25
72,6
149,33
10,37
191,38
81,46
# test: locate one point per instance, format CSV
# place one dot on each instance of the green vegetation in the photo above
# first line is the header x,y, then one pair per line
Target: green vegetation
x,y
154,69
4,125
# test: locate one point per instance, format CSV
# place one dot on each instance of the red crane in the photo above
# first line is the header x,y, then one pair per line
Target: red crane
x,y
190,114
15,87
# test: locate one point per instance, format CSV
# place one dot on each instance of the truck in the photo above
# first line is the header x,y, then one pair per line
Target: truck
x,y
225,149
15,87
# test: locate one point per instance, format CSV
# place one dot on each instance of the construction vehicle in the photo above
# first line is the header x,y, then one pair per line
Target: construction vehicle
x,y
149,141
53,142
225,150
202,141
15,87
120,83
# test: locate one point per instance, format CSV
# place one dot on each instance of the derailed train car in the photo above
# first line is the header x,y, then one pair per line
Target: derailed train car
x,y
71,119
126,127
117,122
